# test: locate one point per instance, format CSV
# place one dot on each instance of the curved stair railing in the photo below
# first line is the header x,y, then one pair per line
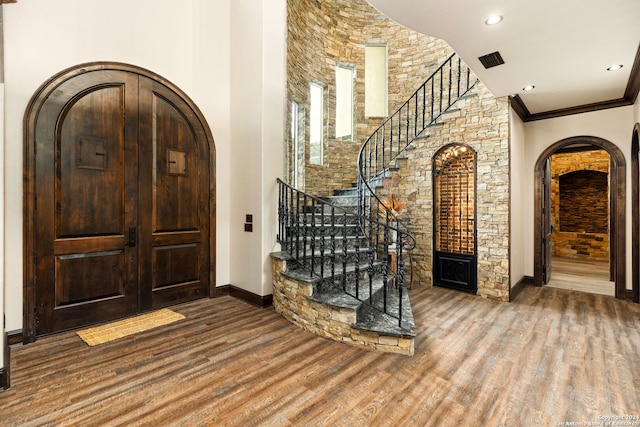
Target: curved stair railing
x,y
361,252
330,250
379,153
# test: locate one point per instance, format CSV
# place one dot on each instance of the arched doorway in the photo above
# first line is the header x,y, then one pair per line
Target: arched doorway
x,y
635,211
454,224
617,202
119,206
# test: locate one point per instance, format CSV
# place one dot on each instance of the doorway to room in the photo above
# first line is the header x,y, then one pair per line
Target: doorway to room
x,y
119,208
579,216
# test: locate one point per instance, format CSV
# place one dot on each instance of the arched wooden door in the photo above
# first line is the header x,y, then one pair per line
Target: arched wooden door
x,y
118,207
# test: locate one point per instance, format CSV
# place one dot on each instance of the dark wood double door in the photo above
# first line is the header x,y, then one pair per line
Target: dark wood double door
x,y
121,215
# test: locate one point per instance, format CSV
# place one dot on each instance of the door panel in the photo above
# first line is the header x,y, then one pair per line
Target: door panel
x,y
174,186
90,161
86,188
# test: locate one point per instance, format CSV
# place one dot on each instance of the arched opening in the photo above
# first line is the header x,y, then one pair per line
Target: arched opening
x,y
454,224
119,205
616,204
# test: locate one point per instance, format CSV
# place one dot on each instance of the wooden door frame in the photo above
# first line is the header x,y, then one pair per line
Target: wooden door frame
x,y
635,213
29,185
617,201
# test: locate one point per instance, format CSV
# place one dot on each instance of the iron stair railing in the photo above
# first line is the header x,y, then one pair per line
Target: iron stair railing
x,y
451,81
328,245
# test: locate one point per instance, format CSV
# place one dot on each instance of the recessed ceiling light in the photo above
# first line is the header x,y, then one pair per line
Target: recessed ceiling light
x,y
493,20
614,67
528,88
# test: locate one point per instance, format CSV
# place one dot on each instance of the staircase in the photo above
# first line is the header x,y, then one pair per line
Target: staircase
x,y
341,270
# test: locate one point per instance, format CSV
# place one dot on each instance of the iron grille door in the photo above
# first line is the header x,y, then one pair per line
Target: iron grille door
x,y
454,191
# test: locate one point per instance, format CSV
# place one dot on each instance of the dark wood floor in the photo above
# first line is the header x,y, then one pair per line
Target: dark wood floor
x,y
551,356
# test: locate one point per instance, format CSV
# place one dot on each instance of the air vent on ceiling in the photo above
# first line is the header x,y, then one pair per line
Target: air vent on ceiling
x,y
491,60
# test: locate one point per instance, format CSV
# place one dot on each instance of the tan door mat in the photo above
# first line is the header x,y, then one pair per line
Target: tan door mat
x,y
122,328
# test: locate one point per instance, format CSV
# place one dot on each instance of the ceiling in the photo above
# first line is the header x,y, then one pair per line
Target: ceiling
x,y
562,47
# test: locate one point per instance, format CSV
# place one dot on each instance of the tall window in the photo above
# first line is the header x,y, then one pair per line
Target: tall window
x,y
316,124
344,102
375,80
297,149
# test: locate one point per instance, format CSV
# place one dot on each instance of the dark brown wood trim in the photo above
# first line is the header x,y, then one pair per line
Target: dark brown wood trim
x,y
244,295
29,123
630,96
253,299
8,1
221,291
518,106
596,106
14,337
635,213
617,196
518,287
5,381
633,86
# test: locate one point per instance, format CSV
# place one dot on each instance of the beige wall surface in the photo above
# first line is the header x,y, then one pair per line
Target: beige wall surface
x,y
517,155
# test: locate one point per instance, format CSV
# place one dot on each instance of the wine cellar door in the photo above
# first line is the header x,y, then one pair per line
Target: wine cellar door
x,y
454,192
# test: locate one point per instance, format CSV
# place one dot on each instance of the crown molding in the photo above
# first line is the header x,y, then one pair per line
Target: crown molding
x,y
630,97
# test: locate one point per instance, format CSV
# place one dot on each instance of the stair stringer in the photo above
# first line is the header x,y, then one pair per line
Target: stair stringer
x,y
292,298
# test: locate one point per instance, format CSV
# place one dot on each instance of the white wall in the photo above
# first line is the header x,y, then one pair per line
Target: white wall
x,y
615,125
518,195
187,42
2,278
258,30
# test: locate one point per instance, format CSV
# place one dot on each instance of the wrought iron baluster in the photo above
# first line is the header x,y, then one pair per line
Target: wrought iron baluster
x,y
304,230
424,104
400,279
458,76
332,245
450,83
441,91
415,117
385,263
297,232
433,100
344,251
357,268
322,241
384,131
313,236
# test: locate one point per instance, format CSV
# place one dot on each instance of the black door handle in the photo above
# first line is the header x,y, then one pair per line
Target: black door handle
x,y
132,237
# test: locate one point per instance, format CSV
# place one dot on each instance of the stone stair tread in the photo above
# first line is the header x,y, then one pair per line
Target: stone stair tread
x,y
336,298
303,274
373,320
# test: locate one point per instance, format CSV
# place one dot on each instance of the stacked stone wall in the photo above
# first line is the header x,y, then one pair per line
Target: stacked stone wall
x,y
481,122
324,34
591,239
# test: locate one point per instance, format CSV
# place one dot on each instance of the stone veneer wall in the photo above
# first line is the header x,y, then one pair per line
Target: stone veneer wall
x,y
578,244
326,33
480,121
290,300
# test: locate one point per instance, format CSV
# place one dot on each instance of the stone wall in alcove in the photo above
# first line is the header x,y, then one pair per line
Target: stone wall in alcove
x,y
580,205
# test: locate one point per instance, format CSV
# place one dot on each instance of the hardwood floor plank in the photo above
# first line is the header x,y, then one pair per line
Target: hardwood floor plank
x,y
550,356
